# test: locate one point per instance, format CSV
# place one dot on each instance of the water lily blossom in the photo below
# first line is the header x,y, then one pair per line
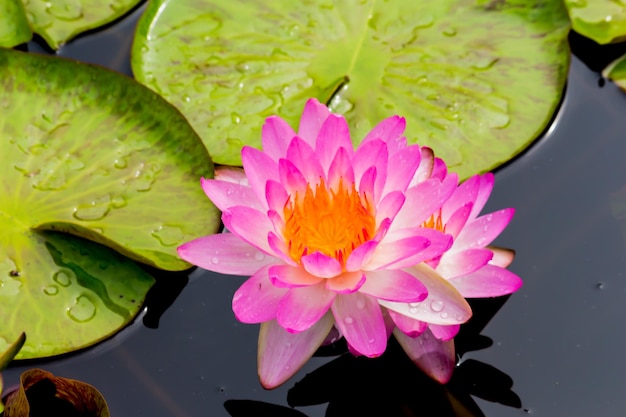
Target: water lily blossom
x,y
333,236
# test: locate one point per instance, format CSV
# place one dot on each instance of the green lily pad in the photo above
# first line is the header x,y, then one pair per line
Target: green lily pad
x,y
604,21
14,28
93,153
68,294
58,21
477,81
42,393
616,72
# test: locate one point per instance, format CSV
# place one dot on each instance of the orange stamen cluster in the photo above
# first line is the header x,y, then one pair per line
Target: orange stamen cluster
x,y
435,222
333,222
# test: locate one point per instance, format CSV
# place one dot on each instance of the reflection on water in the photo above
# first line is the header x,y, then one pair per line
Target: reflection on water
x,y
555,348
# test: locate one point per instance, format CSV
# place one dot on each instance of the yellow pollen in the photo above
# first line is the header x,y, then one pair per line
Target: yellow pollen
x,y
333,222
435,222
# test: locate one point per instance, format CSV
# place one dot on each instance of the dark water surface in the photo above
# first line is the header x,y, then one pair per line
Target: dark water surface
x,y
555,348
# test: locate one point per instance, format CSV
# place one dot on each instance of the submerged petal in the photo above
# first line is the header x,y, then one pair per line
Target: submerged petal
x,y
281,354
434,357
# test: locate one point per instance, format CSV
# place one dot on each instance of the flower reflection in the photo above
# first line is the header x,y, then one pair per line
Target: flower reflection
x,y
363,240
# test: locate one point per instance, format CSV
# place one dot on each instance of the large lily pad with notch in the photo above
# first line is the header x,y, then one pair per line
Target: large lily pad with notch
x,y
93,153
64,292
604,21
14,28
477,81
58,21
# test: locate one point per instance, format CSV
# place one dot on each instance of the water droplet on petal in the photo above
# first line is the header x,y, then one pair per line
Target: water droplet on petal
x,y
444,315
436,305
259,256
348,320
360,304
215,260
413,310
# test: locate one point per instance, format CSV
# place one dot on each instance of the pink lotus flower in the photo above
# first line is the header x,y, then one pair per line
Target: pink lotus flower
x,y
469,267
329,234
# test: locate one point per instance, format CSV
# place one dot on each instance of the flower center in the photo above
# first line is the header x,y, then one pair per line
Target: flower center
x,y
333,222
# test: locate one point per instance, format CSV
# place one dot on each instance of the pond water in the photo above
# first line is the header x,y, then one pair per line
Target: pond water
x,y
555,348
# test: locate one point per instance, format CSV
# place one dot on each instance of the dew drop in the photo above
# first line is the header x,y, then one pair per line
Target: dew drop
x,y
168,235
436,305
348,320
600,285
67,10
83,310
51,290
235,118
95,210
215,260
413,310
118,202
63,278
360,304
414,304
444,315
259,256
450,32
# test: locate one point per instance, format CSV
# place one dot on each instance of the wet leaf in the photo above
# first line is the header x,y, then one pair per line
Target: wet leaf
x,y
477,81
93,153
7,356
616,72
14,28
43,394
70,294
58,21
604,21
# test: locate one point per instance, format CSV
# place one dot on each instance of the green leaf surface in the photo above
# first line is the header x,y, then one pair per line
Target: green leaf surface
x,y
93,153
616,72
477,81
41,393
58,21
6,357
69,293
604,21
14,28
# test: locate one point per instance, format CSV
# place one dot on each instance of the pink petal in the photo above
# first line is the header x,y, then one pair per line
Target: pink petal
x,y
440,170
444,333
367,185
501,256
346,283
231,174
439,243
388,129
488,281
360,320
275,137
340,170
277,221
425,167
279,248
286,276
291,177
407,325
259,168
422,201
457,221
281,354
276,196
444,304
394,285
389,206
462,263
372,154
302,307
250,225
464,194
393,252
302,155
435,358
486,185
225,253
333,136
313,117
321,265
257,299
227,194
361,256
482,231
403,166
